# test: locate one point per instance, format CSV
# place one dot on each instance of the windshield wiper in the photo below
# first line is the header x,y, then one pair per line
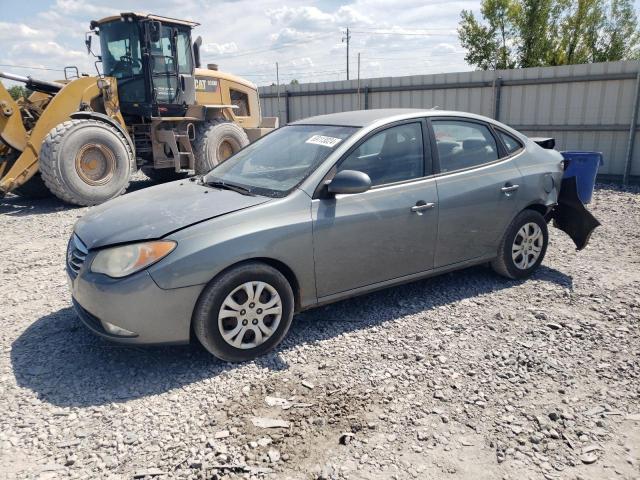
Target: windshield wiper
x,y
229,186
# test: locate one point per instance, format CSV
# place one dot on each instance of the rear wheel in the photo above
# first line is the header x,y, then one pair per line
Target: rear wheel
x,y
244,313
523,246
86,162
216,140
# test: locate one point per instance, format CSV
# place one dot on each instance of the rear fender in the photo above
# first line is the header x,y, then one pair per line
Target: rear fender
x,y
571,216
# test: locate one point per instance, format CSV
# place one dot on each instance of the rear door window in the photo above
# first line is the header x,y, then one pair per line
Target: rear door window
x,y
462,144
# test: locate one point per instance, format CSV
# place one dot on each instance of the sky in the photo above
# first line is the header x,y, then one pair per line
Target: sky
x,y
394,38
400,37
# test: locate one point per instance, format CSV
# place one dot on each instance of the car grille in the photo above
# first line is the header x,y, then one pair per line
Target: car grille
x,y
76,253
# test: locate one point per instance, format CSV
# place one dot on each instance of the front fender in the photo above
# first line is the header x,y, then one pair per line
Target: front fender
x,y
107,119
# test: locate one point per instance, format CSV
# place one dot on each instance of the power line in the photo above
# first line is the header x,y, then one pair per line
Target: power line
x,y
416,57
296,74
414,29
277,47
26,67
405,33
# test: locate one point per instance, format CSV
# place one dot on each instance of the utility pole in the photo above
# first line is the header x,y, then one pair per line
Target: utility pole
x,y
347,38
358,80
278,90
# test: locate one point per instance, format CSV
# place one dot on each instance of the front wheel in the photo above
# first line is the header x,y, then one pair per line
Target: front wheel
x,y
244,313
523,246
86,162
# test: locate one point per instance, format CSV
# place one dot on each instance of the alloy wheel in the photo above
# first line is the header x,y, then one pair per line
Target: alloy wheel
x,y
527,246
250,314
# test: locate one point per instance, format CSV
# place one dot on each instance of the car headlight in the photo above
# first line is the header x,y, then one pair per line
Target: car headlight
x,y
121,261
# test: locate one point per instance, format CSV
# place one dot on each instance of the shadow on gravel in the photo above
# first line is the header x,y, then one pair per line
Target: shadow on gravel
x,y
65,365
17,206
20,207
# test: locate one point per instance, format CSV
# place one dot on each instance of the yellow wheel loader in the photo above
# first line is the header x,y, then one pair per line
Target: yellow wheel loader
x,y
152,107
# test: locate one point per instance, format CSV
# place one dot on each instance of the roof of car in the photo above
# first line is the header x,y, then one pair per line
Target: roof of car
x,y
363,118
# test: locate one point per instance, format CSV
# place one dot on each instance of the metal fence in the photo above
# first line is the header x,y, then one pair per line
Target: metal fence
x,y
584,107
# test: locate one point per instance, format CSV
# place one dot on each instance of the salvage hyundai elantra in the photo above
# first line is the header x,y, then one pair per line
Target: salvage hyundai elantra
x,y
320,210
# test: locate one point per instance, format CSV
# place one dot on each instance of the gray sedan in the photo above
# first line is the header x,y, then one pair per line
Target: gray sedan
x,y
320,210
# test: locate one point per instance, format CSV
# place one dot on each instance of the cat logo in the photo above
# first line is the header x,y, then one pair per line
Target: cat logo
x,y
204,84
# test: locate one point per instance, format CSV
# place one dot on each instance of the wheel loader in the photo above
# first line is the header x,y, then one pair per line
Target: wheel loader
x,y
152,108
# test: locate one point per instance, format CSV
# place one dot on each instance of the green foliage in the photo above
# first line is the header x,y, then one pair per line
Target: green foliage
x,y
530,33
17,91
294,82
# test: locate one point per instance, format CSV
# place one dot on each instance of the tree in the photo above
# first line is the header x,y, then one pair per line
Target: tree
x,y
532,23
17,91
294,82
620,37
529,33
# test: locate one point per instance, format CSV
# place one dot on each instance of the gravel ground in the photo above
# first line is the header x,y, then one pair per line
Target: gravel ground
x,y
461,376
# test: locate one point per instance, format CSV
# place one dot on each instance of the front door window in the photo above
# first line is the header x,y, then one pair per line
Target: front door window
x,y
393,155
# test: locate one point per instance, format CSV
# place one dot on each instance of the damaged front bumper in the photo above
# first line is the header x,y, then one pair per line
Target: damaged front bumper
x,y
571,216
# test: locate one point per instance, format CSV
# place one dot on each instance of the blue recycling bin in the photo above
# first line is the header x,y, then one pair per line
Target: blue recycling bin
x,y
584,166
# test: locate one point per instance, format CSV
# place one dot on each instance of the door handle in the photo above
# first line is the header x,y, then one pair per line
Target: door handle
x,y
510,188
421,206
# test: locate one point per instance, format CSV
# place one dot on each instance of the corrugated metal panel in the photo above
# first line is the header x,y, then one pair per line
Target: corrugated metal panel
x,y
583,97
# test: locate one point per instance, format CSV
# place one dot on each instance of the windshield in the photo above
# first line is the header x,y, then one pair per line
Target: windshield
x,y
120,49
277,163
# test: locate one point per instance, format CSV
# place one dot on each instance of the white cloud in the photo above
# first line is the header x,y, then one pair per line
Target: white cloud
x,y
220,48
17,31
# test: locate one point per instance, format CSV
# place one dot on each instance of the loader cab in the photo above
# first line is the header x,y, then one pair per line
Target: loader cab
x,y
151,59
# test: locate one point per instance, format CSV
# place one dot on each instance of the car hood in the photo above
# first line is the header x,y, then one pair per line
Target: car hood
x,y
157,211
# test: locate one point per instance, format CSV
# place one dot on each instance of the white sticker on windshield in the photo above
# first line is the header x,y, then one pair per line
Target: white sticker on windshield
x,y
324,141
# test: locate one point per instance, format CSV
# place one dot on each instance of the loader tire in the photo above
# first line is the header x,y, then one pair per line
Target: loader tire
x,y
216,140
163,175
86,162
34,188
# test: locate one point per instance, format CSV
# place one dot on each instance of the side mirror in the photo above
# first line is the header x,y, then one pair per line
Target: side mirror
x,y
349,181
154,31
87,42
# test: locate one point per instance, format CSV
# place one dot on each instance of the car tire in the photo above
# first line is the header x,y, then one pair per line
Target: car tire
x,y
217,140
523,246
222,319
